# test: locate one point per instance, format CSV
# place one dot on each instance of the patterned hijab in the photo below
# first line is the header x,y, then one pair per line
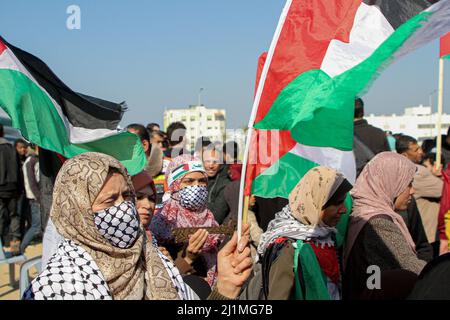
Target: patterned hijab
x,y
173,215
307,199
382,180
301,219
133,273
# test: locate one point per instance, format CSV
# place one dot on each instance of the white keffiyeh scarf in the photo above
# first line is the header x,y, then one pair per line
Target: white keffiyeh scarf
x,y
285,225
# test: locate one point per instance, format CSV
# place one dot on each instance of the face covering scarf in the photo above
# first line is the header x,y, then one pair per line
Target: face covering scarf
x,y
119,224
194,197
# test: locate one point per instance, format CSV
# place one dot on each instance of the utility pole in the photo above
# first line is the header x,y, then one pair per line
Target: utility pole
x,y
200,96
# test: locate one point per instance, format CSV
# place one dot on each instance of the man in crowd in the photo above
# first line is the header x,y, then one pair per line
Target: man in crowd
x,y
9,178
152,151
153,127
176,135
231,152
201,145
21,147
374,138
445,146
23,206
217,181
157,138
33,194
427,185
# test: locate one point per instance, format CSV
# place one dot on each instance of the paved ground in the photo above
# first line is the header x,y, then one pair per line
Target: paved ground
x,y
12,293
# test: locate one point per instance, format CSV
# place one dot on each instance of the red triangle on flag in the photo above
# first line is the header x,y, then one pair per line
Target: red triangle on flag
x,y
2,47
445,46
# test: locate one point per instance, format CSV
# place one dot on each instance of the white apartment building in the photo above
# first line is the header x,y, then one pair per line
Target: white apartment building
x,y
200,122
418,122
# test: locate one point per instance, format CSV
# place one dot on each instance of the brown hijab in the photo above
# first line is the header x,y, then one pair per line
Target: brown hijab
x,y
382,180
133,273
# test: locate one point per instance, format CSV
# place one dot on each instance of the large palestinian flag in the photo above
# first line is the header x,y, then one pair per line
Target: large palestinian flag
x,y
54,117
323,55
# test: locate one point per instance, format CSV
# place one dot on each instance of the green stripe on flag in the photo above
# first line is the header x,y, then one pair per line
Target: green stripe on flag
x,y
282,176
33,113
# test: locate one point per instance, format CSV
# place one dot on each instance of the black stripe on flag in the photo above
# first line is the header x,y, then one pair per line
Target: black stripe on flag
x,y
398,12
81,110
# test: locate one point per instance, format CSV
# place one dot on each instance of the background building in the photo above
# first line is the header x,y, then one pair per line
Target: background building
x,y
200,122
418,122
11,134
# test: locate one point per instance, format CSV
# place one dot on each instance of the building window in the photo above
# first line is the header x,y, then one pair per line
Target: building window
x,y
210,118
183,119
220,117
192,118
426,126
402,126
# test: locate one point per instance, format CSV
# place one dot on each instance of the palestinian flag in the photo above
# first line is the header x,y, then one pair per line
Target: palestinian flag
x,y
445,46
323,55
52,116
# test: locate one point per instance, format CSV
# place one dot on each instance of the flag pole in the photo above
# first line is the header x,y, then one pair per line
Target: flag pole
x,y
253,115
439,119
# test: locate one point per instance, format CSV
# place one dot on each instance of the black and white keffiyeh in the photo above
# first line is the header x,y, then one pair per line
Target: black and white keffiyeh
x,y
119,224
193,197
285,225
70,274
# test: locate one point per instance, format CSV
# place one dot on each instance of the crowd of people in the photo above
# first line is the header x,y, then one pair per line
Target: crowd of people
x,y
20,217
113,236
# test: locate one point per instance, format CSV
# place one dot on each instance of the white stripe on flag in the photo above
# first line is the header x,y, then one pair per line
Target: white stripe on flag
x,y
343,161
370,30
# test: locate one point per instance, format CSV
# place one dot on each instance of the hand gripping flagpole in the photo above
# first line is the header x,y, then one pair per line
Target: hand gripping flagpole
x,y
243,205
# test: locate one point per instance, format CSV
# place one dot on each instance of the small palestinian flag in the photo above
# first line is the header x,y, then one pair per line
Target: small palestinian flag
x,y
445,46
323,55
52,116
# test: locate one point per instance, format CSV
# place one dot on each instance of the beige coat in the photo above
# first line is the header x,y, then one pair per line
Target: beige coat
x,y
428,188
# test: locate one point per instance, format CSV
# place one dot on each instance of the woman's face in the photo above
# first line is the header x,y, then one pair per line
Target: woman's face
x,y
145,204
402,201
114,192
332,214
193,179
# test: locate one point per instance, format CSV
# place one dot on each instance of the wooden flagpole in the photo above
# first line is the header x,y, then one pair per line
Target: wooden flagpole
x,y
440,107
243,202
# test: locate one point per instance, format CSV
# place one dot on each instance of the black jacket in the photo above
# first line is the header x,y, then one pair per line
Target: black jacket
x,y
9,170
374,138
362,154
414,223
216,198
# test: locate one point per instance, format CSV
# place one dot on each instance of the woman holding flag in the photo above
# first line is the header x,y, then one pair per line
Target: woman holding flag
x,y
105,253
298,252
